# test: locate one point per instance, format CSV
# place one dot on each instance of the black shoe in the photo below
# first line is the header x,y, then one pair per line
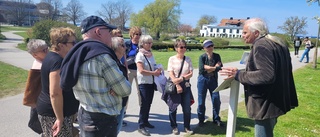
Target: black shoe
x,y
188,131
219,123
201,124
124,124
143,131
148,125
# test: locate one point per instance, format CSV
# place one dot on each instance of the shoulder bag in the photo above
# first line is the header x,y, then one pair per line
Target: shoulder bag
x,y
170,87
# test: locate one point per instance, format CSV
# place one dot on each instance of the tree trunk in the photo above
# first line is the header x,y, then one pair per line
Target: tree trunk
x,y
315,56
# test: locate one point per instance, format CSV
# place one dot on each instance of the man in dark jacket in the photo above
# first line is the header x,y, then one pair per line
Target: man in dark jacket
x,y
268,81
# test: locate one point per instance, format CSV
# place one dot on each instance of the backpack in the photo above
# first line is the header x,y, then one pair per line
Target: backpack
x,y
312,45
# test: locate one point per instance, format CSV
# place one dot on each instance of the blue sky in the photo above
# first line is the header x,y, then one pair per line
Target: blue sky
x,y
274,12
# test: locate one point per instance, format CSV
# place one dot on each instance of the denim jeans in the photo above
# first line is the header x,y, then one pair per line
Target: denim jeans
x,y
204,84
305,53
120,119
146,94
96,124
264,128
186,109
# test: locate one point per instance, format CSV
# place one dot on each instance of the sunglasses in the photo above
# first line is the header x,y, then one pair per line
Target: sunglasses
x,y
183,47
209,46
72,42
137,34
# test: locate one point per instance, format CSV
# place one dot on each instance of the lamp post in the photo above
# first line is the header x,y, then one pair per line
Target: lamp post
x,y
314,65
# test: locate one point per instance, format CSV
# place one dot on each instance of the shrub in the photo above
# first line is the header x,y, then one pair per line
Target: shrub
x,y
41,29
164,37
2,37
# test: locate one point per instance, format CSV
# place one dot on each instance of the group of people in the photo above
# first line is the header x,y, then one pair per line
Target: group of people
x,y
307,45
92,79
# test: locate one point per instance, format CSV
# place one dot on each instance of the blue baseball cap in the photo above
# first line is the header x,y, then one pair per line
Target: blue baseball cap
x,y
94,21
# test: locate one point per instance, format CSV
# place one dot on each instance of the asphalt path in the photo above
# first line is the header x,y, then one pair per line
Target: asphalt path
x,y
14,116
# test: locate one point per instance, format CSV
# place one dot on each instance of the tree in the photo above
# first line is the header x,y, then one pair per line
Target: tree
x,y
74,11
293,26
116,13
17,11
206,19
313,1
159,16
185,29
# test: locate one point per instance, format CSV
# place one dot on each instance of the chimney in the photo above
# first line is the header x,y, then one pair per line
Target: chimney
x,y
231,18
248,18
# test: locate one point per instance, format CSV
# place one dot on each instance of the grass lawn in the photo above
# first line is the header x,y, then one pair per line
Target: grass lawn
x,y
13,28
227,55
303,121
12,80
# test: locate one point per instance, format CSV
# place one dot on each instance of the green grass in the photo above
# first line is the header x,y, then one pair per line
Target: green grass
x,y
303,121
13,28
227,55
12,80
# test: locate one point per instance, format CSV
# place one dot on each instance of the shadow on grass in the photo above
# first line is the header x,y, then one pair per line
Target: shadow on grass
x,y
243,125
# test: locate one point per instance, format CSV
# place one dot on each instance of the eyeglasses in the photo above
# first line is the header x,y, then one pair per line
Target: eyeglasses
x,y
183,47
210,46
137,34
120,36
110,30
45,50
72,42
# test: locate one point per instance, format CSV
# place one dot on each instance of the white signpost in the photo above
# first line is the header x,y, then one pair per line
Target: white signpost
x,y
233,104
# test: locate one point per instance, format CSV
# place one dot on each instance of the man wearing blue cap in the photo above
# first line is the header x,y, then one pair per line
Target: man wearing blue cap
x,y
209,65
91,69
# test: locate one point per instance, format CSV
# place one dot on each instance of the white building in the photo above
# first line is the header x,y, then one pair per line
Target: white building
x,y
228,28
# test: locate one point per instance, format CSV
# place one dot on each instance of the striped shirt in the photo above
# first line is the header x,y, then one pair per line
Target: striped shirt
x,y
97,77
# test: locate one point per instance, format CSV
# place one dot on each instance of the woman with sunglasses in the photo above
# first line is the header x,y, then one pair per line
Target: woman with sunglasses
x,y
209,65
184,94
56,108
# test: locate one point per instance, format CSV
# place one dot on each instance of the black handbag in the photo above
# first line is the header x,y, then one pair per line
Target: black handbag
x,y
34,122
170,87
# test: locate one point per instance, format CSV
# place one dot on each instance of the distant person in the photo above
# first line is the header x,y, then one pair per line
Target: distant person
x,y
120,51
38,49
297,43
91,69
57,108
268,81
209,65
132,50
117,33
184,94
145,73
307,43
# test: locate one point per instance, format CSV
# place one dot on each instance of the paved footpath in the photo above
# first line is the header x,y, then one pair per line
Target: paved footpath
x,y
14,116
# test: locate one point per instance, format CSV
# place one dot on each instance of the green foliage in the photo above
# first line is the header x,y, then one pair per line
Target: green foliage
x,y
182,37
159,16
2,37
164,37
13,28
41,29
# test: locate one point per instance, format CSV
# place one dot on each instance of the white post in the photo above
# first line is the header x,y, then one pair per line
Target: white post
x,y
233,108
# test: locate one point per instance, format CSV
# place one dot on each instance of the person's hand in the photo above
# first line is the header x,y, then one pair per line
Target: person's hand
x,y
113,93
56,128
218,64
157,72
230,72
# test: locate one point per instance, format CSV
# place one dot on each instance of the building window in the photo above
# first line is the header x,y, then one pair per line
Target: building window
x,y
211,29
217,29
238,31
230,31
224,30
